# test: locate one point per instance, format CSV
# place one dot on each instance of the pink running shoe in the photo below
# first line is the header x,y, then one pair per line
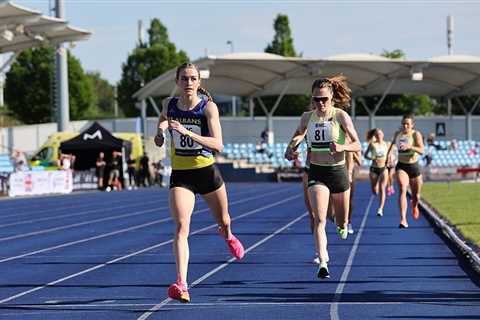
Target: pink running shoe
x,y
236,247
179,292
390,191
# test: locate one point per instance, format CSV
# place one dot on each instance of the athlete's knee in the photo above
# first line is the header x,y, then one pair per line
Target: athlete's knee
x,y
182,229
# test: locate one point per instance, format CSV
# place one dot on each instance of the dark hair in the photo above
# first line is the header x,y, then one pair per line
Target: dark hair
x,y
371,133
408,116
339,88
189,65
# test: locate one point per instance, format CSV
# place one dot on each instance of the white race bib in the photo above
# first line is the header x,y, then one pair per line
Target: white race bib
x,y
320,133
185,145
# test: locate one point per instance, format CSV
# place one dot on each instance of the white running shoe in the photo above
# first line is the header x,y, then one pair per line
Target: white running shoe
x,y
380,213
316,260
350,228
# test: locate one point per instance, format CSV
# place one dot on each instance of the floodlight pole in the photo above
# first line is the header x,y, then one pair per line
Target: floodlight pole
x,y
61,77
234,98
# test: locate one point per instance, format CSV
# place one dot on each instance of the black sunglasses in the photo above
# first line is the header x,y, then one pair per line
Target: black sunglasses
x,y
320,99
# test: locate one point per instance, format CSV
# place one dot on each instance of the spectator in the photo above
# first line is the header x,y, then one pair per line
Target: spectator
x,y
132,171
66,161
262,147
144,172
264,136
432,143
19,160
114,177
158,173
453,145
100,169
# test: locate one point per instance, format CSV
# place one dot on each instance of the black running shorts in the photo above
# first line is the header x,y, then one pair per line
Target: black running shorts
x,y
412,169
201,181
335,178
377,170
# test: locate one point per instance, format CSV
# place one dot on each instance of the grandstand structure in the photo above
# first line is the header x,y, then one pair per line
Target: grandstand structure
x,y
466,155
255,75
23,28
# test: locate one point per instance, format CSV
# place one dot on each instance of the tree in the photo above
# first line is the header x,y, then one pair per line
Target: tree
x,y
104,96
28,92
400,104
146,62
282,44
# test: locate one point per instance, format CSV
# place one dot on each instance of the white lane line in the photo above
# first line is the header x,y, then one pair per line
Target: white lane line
x,y
67,244
92,203
68,215
79,224
77,214
55,282
348,266
134,200
222,266
59,304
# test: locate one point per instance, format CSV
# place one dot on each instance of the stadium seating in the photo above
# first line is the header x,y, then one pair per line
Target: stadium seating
x,y
467,154
5,164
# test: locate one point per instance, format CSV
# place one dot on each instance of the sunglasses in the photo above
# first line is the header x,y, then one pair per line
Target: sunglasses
x,y
320,99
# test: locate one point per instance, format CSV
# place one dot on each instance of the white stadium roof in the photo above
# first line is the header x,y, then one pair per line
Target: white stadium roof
x,y
263,74
22,28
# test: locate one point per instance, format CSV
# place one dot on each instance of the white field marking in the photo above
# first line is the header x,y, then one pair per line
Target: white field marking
x,y
222,266
82,212
79,224
35,212
348,266
158,245
59,304
68,215
67,244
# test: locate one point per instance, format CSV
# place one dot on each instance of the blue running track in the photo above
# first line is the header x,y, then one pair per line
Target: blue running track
x,y
109,256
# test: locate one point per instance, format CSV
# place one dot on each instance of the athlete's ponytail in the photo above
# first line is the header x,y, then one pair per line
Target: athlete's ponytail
x,y
207,94
370,134
339,88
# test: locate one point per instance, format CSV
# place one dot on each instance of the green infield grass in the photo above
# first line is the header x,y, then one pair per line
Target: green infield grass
x,y
459,203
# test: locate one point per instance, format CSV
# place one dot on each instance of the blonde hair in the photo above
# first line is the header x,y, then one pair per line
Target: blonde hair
x,y
339,88
189,65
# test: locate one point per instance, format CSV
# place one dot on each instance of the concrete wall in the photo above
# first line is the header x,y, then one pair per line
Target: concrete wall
x,y
235,130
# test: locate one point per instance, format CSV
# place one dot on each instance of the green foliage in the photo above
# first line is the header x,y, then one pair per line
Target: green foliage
x,y
82,96
27,87
145,63
28,93
395,54
399,104
282,43
104,96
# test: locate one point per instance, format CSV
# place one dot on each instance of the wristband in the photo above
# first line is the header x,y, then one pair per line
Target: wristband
x,y
292,145
188,133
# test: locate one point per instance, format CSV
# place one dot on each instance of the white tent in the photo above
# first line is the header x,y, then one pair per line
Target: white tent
x,y
261,74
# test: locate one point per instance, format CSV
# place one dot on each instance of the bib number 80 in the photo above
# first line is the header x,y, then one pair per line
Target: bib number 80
x,y
186,141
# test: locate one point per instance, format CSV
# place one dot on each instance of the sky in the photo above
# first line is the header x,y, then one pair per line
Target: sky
x,y
319,28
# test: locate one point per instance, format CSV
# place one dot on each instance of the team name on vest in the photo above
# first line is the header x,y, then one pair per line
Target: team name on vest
x,y
197,121
319,125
